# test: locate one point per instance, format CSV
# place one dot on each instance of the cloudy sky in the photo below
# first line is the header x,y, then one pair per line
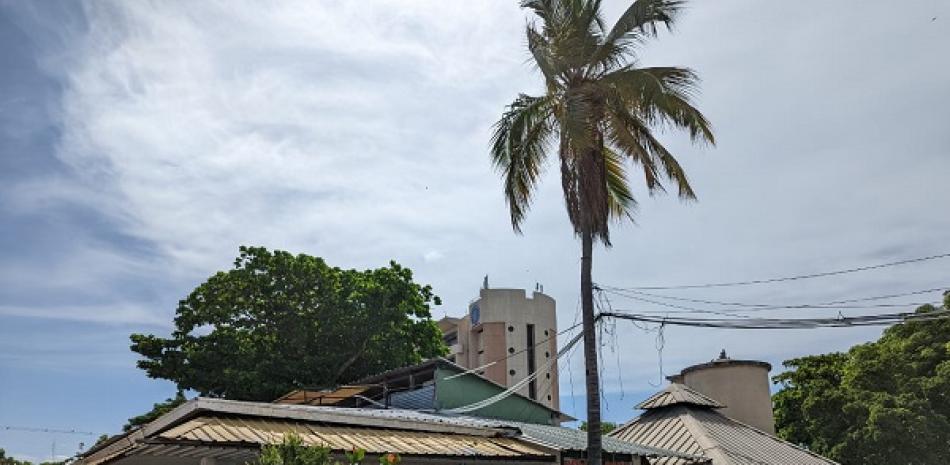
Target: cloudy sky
x,y
142,143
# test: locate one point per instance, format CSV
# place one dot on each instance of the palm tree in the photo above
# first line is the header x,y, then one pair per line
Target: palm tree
x,y
601,110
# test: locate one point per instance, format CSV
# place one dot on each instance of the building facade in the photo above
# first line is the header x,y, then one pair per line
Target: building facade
x,y
512,335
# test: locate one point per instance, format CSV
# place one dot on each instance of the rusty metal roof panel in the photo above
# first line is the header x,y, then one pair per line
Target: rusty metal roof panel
x,y
324,397
676,394
229,430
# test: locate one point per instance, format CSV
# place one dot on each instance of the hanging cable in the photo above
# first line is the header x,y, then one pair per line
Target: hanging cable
x,y
796,323
47,430
517,386
747,307
795,278
513,354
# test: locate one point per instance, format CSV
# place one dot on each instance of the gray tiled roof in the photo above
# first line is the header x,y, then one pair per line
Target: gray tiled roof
x,y
702,431
677,393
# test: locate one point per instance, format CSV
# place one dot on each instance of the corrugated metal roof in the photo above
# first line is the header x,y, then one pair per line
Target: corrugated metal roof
x,y
335,418
575,440
660,428
422,398
698,430
214,429
675,394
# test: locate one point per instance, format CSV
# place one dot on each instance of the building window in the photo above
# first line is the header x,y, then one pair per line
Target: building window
x,y
511,329
532,386
547,375
547,354
545,333
511,350
511,372
549,397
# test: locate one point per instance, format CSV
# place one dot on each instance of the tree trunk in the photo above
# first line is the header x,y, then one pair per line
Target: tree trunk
x,y
594,446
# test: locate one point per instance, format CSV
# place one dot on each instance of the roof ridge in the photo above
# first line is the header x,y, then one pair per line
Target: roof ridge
x,y
677,394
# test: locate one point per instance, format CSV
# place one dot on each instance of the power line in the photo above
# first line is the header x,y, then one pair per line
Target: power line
x,y
750,307
47,430
517,386
784,323
513,354
792,278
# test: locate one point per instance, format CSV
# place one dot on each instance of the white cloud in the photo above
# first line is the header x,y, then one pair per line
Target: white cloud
x,y
357,131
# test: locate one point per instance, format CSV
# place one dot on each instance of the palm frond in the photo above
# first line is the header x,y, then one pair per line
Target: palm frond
x,y
541,51
636,24
620,200
637,141
662,95
518,150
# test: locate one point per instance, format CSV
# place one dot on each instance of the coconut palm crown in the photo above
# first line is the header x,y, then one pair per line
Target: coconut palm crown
x,y
600,110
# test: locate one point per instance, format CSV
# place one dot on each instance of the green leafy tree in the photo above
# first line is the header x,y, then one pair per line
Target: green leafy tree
x,y
278,321
158,410
881,403
4,460
605,426
293,451
599,113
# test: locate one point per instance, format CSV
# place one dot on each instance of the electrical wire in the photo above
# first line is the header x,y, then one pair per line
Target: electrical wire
x,y
682,309
517,386
480,368
795,278
834,304
47,430
784,323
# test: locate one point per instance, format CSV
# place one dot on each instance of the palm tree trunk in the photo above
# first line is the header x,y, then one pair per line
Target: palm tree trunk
x,y
594,446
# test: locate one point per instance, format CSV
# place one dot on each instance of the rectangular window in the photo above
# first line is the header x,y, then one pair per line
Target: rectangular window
x,y
532,385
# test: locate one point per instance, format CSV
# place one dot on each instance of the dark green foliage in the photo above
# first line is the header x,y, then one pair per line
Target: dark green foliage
x,y
277,322
4,460
605,426
292,451
158,410
881,403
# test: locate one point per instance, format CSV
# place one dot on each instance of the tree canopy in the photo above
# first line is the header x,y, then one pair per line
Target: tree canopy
x,y
880,403
278,321
158,410
605,426
5,460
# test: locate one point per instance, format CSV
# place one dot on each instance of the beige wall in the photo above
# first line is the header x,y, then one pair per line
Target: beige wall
x,y
502,331
742,386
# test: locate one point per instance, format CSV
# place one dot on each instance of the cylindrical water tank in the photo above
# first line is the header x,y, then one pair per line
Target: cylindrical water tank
x,y
741,385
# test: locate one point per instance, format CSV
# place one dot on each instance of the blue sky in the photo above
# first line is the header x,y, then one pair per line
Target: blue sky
x,y
141,144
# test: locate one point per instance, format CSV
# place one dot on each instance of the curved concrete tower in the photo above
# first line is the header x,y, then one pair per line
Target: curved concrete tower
x,y
741,385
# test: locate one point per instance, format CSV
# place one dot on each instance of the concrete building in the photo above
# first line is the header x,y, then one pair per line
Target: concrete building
x,y
516,332
742,386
